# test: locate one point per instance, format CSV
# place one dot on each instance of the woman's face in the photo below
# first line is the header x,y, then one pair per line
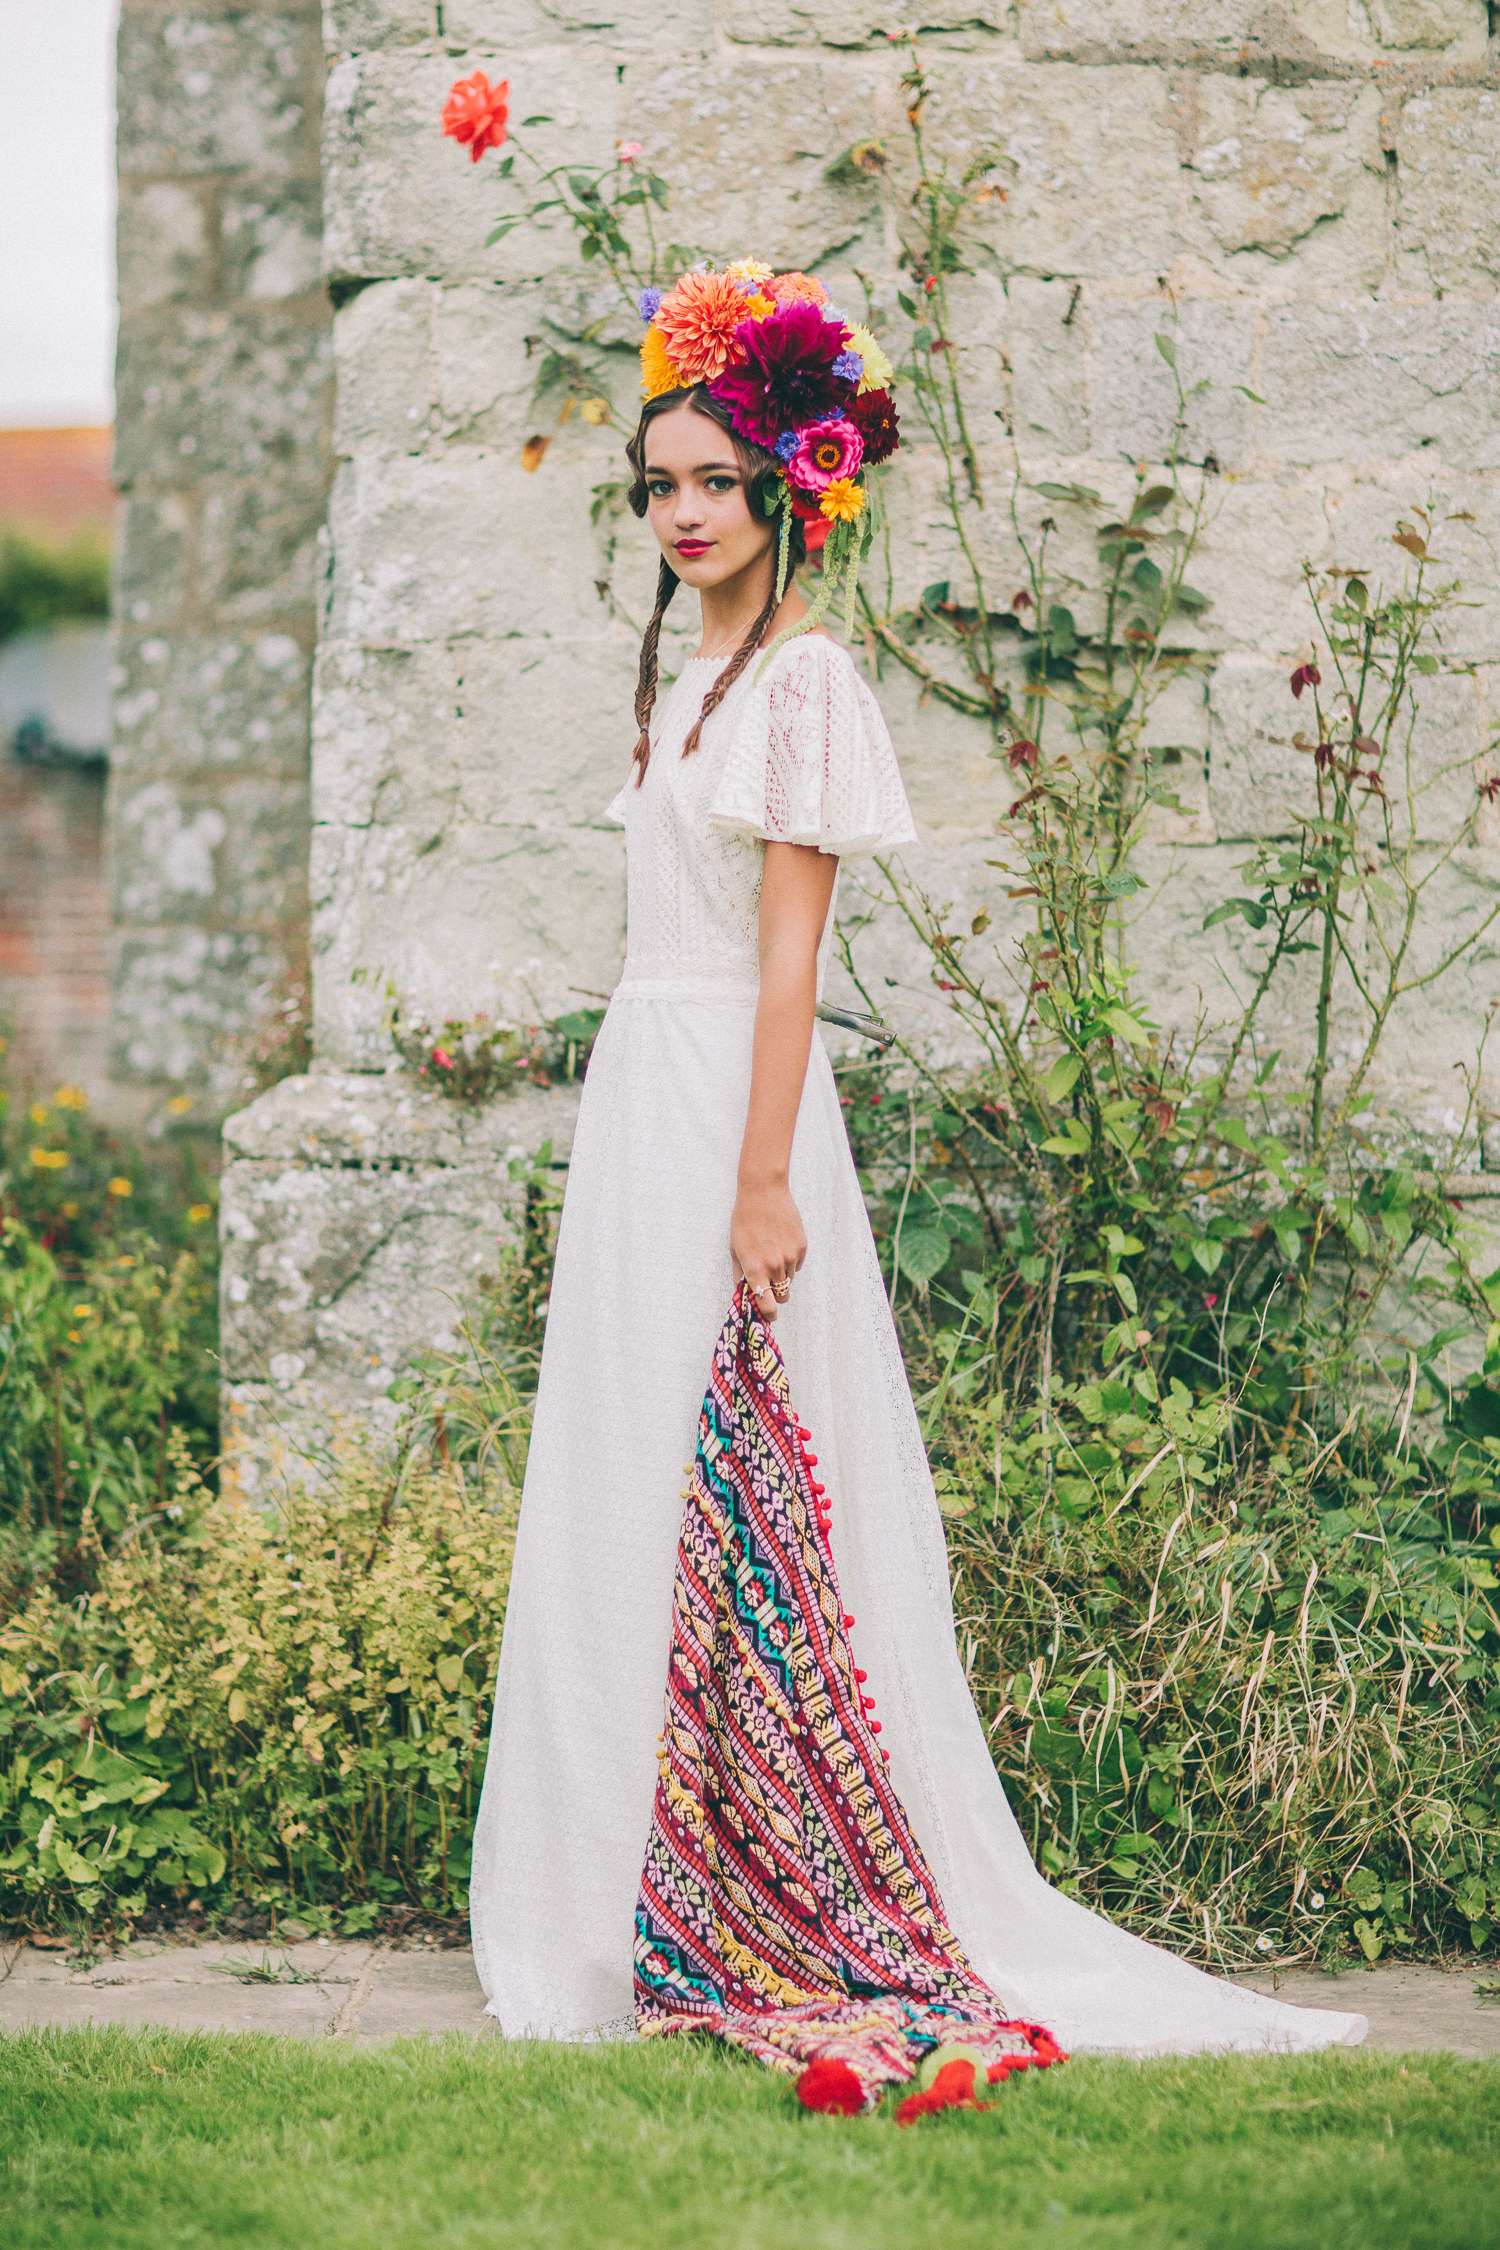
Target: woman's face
x,y
698,504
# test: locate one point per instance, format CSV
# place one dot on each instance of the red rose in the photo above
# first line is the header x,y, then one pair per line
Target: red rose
x,y
476,112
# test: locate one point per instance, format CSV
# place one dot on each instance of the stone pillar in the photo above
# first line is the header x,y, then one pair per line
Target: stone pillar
x,y
1295,187
222,461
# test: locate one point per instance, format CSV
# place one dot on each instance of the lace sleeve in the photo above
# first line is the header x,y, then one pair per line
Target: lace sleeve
x,y
811,760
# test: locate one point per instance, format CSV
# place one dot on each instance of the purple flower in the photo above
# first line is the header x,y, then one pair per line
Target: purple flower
x,y
786,445
649,303
850,365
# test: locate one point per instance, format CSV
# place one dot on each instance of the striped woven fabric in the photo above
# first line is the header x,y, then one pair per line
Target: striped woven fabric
x,y
784,1904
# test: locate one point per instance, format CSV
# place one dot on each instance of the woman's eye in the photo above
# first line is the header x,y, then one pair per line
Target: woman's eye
x,y
722,484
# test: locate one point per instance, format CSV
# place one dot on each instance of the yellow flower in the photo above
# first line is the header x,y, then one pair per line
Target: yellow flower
x,y
82,1312
71,1097
595,411
49,1159
68,1210
749,269
657,372
124,1260
758,307
180,1104
38,1113
120,1186
842,500
878,372
198,1212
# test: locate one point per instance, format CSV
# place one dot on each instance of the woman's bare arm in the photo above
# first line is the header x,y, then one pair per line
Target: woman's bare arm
x,y
765,1233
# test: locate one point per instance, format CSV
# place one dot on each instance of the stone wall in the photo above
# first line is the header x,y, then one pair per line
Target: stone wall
x,y
1306,191
224,398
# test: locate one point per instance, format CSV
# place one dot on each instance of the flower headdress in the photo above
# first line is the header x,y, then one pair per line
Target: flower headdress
x,y
796,377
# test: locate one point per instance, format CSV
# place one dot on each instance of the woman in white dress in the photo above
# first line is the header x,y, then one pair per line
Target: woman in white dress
x,y
710,1144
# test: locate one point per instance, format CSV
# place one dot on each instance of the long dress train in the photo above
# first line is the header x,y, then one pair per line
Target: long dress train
x,y
642,1277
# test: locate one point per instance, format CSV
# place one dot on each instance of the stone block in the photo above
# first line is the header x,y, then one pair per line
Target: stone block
x,y
487,344
853,23
384,390
482,730
188,853
469,542
1447,148
201,93
753,176
522,922
401,198
258,546
155,577
183,994
1459,29
272,239
1260,779
1227,32
165,242
1360,381
355,27
1048,327
215,390
196,705
505,27
1248,562
1288,177
1132,398
358,1212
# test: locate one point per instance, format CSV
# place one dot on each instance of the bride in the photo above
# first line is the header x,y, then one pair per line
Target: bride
x,y
711,1160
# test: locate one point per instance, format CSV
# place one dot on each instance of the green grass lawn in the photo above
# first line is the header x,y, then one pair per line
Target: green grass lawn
x,y
111,2139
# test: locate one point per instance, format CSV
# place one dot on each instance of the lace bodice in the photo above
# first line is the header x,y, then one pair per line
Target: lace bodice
x,y
801,755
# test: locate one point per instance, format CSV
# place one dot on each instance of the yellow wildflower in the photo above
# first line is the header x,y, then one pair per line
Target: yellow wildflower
x,y
82,1312
124,1260
878,372
70,1097
68,1210
657,372
198,1212
842,500
120,1186
49,1159
180,1104
38,1113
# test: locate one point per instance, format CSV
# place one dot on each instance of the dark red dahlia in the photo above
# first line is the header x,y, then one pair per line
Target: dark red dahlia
x,y
784,376
873,414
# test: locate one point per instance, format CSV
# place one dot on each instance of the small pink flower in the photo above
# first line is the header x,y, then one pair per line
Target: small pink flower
x,y
442,1058
630,150
825,452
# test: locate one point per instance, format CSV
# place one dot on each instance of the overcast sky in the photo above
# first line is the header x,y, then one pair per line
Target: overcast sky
x,y
57,211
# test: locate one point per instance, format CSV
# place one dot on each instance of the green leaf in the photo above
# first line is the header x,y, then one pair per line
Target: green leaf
x,y
1063,1077
923,1252
1166,347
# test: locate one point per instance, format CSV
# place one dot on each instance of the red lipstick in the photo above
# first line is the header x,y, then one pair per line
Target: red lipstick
x,y
693,546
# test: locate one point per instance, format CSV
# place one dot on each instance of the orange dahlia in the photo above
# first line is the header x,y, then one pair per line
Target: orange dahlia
x,y
477,112
697,320
795,288
657,370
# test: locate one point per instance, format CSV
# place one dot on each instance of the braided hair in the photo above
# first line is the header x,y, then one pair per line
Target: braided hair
x,y
762,469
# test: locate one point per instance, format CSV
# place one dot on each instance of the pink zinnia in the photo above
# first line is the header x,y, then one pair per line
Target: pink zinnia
x,y
827,450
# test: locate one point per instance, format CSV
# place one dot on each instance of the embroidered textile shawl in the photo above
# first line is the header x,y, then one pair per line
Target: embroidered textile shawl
x,y
784,1904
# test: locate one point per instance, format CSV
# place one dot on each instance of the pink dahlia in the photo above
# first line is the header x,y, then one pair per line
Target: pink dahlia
x,y
697,322
784,373
825,452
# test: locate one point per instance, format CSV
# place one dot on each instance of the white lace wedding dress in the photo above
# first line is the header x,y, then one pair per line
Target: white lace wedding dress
x,y
642,1282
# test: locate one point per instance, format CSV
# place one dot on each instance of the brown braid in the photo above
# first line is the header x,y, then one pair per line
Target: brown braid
x,y
761,468
667,583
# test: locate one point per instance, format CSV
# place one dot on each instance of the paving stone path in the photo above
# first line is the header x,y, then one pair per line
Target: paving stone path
x,y
321,1988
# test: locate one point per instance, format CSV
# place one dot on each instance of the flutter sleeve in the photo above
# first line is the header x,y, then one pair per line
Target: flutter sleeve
x,y
811,760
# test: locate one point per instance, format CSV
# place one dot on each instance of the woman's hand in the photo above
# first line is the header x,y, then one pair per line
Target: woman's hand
x,y
766,1238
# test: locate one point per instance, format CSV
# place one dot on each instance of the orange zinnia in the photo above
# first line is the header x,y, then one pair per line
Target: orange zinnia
x,y
476,112
697,319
